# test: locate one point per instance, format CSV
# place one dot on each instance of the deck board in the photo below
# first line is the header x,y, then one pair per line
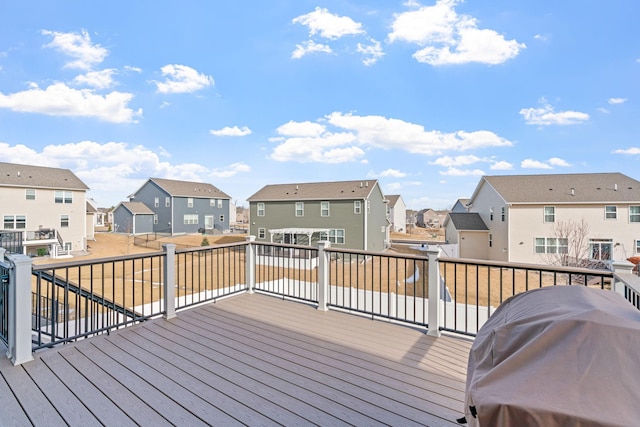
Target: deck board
x,y
246,360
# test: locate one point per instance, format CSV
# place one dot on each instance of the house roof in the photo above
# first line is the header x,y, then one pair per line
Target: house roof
x,y
15,175
337,190
137,208
91,208
565,188
467,221
190,189
393,199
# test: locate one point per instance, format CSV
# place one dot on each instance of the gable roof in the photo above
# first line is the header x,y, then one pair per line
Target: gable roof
x,y
136,208
467,221
190,189
27,176
337,190
393,199
564,188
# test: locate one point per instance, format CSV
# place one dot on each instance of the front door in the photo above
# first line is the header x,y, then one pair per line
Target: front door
x,y
208,222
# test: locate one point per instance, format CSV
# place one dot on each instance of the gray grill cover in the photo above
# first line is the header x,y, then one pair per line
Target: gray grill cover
x,y
557,356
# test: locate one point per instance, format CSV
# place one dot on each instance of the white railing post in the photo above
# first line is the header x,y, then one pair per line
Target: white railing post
x,y
620,267
20,310
323,275
169,280
250,264
434,292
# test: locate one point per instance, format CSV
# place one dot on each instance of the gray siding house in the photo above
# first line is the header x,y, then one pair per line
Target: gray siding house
x,y
349,214
181,207
133,218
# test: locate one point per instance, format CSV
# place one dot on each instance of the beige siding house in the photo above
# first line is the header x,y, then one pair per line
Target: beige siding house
x,y
48,205
539,218
397,212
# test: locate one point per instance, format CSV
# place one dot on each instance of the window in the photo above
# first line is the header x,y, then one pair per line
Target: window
x,y
551,245
610,212
219,203
324,208
637,245
299,208
15,222
212,202
167,202
190,218
261,233
634,213
490,240
601,249
68,246
491,214
30,194
189,202
63,196
503,213
221,218
260,209
549,214
335,236
156,202
64,220
155,218
357,207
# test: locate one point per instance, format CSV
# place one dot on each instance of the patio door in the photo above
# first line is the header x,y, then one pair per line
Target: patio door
x,y
208,222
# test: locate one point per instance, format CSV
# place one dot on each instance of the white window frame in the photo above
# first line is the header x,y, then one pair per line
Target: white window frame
x,y
299,209
601,245
549,214
155,218
610,212
190,219
65,220
212,202
634,213
18,222
167,202
189,202
219,203
490,214
30,194
156,202
551,245
490,240
637,246
262,233
357,207
336,236
260,209
325,209
61,196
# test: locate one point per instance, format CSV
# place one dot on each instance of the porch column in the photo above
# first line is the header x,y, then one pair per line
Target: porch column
x,y
20,310
250,264
323,275
169,280
434,292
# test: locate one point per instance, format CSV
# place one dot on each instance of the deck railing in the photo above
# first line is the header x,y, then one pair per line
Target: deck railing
x,y
434,293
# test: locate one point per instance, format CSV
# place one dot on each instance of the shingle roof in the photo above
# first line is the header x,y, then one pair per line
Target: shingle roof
x,y
467,221
137,208
393,199
190,189
15,175
566,188
91,209
337,190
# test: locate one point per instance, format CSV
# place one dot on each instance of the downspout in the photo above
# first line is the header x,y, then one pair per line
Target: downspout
x,y
366,217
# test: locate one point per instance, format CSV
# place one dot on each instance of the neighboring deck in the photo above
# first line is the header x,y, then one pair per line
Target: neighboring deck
x,y
248,359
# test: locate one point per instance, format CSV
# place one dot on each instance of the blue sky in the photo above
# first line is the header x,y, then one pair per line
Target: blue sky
x,y
424,96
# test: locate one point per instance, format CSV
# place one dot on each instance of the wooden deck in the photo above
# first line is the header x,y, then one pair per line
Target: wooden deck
x,y
249,359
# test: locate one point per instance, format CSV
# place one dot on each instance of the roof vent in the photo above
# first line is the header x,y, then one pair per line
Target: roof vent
x,y
296,187
615,187
18,173
361,184
573,191
366,184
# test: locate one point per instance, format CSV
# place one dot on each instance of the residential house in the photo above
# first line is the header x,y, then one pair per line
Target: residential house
x,y
540,218
48,205
431,218
468,232
349,214
397,212
91,221
133,218
181,207
460,205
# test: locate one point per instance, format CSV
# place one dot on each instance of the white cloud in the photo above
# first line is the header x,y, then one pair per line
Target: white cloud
x,y
182,79
555,161
534,164
630,150
113,170
61,100
603,110
231,131
328,25
309,47
449,38
501,166
392,173
97,79
462,172
542,37
372,53
313,142
392,187
77,46
447,161
614,101
546,115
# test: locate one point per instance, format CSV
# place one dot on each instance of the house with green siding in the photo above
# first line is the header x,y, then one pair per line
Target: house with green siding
x,y
349,214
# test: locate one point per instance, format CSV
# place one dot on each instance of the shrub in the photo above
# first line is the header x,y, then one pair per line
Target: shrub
x,y
205,242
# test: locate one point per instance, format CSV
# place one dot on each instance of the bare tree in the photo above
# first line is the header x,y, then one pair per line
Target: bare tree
x,y
572,244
